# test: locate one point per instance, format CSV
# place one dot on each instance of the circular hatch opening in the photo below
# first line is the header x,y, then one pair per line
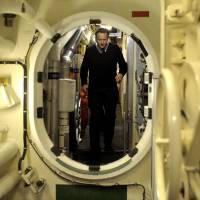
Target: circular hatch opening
x,y
134,148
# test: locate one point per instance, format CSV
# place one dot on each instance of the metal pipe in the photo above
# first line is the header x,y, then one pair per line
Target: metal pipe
x,y
55,72
71,46
67,90
52,115
8,150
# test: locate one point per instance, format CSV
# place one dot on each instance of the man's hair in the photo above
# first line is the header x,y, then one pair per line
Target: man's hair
x,y
102,30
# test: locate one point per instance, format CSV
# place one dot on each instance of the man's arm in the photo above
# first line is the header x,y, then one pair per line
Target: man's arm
x,y
118,77
122,66
84,71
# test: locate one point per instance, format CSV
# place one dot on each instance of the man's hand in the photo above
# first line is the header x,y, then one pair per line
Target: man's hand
x,y
118,78
85,88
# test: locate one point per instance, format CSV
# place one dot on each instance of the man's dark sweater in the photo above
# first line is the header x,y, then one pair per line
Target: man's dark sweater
x,y
102,67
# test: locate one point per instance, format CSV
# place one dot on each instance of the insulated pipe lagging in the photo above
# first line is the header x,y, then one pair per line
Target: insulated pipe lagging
x,y
23,9
8,150
8,182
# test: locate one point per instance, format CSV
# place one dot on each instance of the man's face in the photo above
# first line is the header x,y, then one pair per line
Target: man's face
x,y
102,40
